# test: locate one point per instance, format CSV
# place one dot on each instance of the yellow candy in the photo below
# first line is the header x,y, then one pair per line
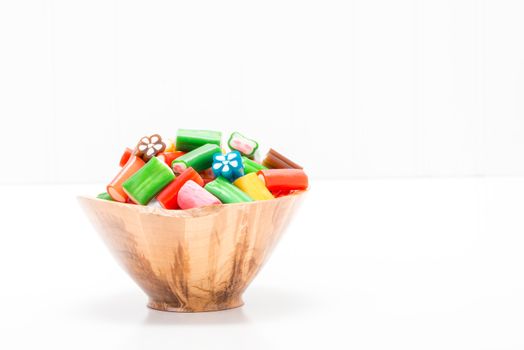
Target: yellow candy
x,y
253,187
170,146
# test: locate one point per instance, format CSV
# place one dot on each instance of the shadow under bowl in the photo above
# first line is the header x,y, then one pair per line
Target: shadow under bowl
x,y
201,259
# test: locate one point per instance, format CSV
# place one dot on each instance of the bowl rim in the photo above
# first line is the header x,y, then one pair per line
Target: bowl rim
x,y
194,212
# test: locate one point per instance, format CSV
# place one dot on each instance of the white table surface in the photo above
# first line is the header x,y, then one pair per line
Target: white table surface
x,y
366,264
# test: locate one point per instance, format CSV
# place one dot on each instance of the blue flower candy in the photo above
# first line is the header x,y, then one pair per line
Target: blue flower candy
x,y
228,165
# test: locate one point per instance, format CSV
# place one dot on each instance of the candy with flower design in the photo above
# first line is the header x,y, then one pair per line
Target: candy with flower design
x,y
148,147
228,165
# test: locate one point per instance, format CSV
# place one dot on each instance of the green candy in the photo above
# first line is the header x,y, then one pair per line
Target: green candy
x,y
250,166
145,184
226,191
104,196
188,140
198,159
244,145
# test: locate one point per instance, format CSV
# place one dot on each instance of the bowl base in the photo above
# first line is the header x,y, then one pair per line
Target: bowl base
x,y
163,306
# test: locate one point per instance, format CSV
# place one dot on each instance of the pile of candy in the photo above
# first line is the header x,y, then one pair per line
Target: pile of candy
x,y
195,171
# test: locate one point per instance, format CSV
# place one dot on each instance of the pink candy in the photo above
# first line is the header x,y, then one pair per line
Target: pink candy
x,y
191,195
243,147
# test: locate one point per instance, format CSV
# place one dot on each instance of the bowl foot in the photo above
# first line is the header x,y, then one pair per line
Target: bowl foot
x,y
163,306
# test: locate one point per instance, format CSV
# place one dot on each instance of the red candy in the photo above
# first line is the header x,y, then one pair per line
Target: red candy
x,y
284,180
125,157
168,196
169,157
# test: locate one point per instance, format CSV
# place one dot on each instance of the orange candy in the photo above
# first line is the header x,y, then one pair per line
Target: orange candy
x,y
169,157
125,157
114,189
284,180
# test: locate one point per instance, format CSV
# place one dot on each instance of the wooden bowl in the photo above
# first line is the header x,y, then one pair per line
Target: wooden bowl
x,y
192,260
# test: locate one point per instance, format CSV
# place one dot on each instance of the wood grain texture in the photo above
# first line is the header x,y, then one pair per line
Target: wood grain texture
x,y
192,260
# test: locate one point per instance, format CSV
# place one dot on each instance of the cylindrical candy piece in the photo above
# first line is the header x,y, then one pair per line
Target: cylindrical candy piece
x,y
168,196
226,192
188,140
125,157
114,189
104,196
275,160
198,159
250,166
277,180
239,142
253,187
191,195
169,157
148,181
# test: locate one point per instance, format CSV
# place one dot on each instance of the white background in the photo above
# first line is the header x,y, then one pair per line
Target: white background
x,y
379,88
367,95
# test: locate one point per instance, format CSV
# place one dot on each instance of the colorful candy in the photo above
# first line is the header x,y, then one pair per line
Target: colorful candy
x,y
199,159
246,146
147,182
275,160
168,196
191,195
188,140
169,157
170,145
114,189
125,157
104,196
250,166
149,147
253,187
206,173
228,165
284,180
226,192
